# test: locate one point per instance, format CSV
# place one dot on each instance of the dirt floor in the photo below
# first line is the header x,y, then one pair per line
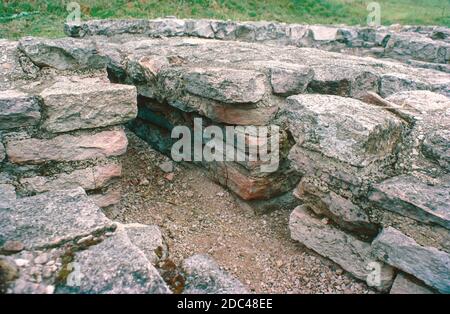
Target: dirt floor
x,y
198,216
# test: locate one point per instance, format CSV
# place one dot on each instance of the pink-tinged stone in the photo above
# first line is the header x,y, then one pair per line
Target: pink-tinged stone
x,y
89,179
111,197
67,147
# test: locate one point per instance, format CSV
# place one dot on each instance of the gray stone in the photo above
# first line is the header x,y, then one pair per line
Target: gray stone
x,y
436,146
395,82
199,28
67,147
204,276
149,239
7,194
18,109
324,33
426,263
87,104
290,79
350,253
226,85
360,136
62,54
2,151
114,266
404,284
341,210
91,178
166,166
411,197
50,219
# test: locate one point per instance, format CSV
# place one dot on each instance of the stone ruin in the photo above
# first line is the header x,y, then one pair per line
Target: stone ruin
x,y
364,116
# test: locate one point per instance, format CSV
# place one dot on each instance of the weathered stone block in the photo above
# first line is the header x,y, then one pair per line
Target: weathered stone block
x,y
67,147
350,253
204,276
226,85
18,109
87,104
91,178
426,263
290,79
50,219
404,284
116,266
409,196
7,194
362,134
62,54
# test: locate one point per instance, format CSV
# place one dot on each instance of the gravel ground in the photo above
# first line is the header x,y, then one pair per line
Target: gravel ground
x,y
198,216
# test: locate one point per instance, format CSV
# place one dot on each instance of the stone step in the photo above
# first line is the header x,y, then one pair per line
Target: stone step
x,y
405,284
426,263
411,197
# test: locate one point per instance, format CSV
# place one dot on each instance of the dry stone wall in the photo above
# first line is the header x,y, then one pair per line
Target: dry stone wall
x,y
364,150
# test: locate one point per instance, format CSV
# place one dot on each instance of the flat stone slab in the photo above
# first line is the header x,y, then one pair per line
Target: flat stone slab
x,y
114,266
67,147
204,276
87,104
409,196
51,219
91,178
343,129
429,264
404,284
350,253
226,85
18,109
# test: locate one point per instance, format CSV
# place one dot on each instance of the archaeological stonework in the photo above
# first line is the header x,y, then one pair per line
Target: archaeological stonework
x,y
363,116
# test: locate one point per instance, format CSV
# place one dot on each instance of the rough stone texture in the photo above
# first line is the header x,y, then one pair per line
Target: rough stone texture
x,y
67,147
62,54
341,210
148,239
51,219
426,263
351,254
87,104
91,178
204,276
116,266
404,284
18,109
411,197
288,79
7,194
107,198
2,151
362,134
226,85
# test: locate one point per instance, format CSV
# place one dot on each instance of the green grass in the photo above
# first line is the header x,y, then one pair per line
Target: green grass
x,y
46,18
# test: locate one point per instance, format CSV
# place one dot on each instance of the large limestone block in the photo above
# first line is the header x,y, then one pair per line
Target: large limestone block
x,y
429,264
411,197
51,219
7,194
67,147
87,104
226,85
350,253
204,276
91,178
343,129
18,109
